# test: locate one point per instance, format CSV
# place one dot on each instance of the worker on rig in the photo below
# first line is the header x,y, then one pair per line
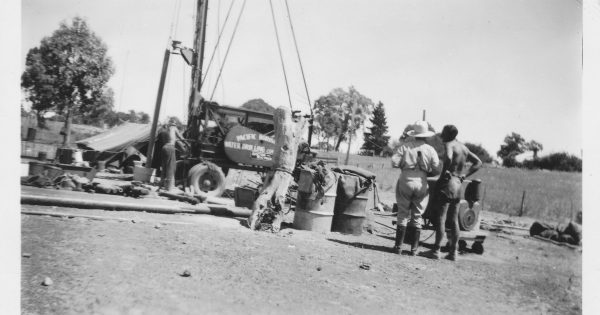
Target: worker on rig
x,y
170,137
418,160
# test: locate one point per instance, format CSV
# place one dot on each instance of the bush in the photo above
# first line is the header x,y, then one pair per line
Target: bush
x,y
510,161
561,161
481,153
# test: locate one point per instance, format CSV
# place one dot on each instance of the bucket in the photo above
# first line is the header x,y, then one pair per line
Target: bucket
x,y
244,196
350,206
313,211
473,191
64,155
36,168
142,174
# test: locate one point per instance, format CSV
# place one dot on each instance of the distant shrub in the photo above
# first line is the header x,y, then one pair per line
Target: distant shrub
x,y
387,152
481,153
561,161
511,161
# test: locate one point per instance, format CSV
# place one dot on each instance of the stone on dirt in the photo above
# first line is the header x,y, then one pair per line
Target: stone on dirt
x,y
47,281
26,255
186,273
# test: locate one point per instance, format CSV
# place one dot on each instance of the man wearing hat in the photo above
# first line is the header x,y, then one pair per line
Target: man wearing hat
x,y
417,160
448,189
168,156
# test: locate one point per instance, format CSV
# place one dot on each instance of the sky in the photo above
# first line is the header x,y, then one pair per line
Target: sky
x,y
490,67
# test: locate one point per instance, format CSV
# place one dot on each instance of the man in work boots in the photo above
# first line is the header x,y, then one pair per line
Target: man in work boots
x,y
417,160
447,192
168,156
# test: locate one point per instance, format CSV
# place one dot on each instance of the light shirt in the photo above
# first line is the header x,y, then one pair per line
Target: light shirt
x,y
406,157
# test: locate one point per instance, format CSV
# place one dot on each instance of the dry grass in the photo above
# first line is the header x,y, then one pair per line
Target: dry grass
x,y
549,195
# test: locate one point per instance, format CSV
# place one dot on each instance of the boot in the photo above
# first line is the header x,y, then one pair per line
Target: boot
x,y
416,239
451,249
400,232
451,255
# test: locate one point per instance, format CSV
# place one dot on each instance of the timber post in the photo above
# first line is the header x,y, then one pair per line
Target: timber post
x,y
161,87
288,134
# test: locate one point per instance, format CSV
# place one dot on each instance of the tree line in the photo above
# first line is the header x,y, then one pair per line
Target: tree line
x,y
69,71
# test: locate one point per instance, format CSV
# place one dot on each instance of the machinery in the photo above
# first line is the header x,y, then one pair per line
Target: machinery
x,y
219,137
469,208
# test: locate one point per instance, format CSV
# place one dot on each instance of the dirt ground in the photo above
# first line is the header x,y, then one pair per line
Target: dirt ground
x,y
131,263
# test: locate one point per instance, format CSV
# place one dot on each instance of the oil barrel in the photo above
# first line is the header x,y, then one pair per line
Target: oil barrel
x,y
351,204
314,208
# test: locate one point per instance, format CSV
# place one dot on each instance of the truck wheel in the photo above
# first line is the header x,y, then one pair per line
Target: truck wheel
x,y
207,178
467,217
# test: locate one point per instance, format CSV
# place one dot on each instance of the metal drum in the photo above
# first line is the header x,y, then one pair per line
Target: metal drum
x,y
350,206
313,211
473,191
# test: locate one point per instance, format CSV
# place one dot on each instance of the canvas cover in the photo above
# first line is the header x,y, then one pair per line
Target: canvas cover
x,y
118,138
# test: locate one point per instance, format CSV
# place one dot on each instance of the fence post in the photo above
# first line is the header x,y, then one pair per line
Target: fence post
x,y
522,203
483,198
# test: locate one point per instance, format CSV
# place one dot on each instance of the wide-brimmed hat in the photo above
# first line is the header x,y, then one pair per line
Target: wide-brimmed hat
x,y
420,130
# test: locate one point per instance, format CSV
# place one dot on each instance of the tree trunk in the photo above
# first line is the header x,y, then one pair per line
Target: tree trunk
x,y
41,121
348,151
67,135
338,142
288,134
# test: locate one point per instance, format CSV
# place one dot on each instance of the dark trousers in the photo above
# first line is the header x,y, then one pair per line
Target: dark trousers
x,y
168,163
447,198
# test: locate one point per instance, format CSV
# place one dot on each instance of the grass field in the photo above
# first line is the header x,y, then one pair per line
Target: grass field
x,y
549,195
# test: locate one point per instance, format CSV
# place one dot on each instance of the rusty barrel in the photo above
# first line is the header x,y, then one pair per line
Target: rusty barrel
x,y
351,204
314,208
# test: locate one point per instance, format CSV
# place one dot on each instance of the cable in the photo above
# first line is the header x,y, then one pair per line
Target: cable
x,y
298,54
217,43
237,22
280,54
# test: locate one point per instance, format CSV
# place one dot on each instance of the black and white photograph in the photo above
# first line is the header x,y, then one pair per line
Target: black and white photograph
x,y
300,157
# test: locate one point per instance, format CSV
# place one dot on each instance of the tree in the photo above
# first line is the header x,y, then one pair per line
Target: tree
x,y
481,152
376,140
513,145
117,118
328,124
68,72
98,112
349,109
535,147
259,105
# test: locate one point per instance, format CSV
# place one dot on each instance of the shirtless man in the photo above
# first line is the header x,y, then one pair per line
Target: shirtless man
x,y
447,192
168,156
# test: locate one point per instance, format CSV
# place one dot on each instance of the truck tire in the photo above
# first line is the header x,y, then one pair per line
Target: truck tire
x,y
207,178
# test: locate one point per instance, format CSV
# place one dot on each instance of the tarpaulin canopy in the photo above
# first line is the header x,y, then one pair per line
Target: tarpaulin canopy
x,y
118,138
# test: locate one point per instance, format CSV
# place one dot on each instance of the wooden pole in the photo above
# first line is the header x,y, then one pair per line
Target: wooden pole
x,y
522,203
423,115
275,186
161,87
348,151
